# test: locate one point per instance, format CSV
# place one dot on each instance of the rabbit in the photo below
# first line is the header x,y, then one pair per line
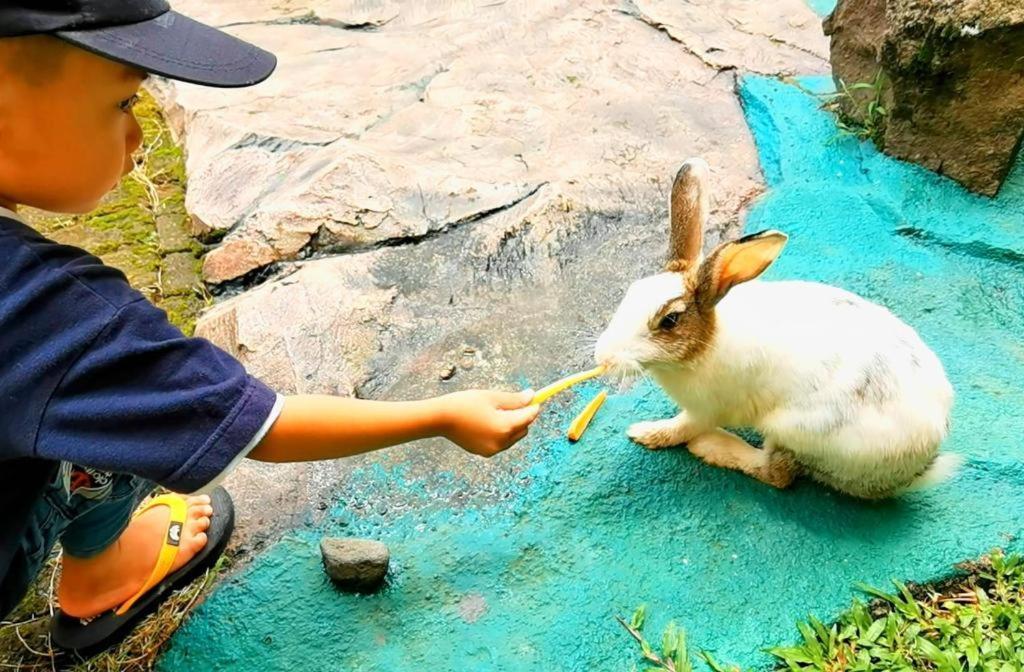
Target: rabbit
x,y
840,389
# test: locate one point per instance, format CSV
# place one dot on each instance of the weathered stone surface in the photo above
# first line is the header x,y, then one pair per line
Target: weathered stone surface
x,y
173,233
312,332
952,83
355,564
448,112
178,274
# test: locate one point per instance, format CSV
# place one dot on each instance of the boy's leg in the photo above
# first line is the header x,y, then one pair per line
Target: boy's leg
x,y
41,534
108,555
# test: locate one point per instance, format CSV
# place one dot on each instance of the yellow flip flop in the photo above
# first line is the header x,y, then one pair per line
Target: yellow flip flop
x,y
168,550
87,637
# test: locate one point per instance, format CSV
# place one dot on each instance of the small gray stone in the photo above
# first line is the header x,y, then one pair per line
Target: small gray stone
x,y
173,233
355,564
178,274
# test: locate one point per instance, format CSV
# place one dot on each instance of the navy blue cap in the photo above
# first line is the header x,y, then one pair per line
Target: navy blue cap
x,y
146,34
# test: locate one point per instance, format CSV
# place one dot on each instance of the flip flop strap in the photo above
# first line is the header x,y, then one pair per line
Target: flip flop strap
x,y
169,548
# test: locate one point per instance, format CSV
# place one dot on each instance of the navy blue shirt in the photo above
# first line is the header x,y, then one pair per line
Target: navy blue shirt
x,y
92,373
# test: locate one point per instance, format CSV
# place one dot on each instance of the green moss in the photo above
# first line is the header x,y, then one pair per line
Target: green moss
x,y
183,311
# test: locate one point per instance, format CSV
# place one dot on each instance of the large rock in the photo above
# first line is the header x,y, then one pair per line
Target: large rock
x,y
387,122
311,332
952,81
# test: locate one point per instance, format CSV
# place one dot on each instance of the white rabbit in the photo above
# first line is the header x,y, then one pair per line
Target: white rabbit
x,y
840,389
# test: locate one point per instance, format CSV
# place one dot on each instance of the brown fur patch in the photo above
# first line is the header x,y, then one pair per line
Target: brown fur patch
x,y
781,470
678,266
688,206
694,331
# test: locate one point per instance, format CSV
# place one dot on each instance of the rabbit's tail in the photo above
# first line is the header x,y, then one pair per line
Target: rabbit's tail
x,y
943,468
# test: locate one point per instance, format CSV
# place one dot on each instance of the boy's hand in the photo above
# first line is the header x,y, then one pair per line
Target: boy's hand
x,y
485,422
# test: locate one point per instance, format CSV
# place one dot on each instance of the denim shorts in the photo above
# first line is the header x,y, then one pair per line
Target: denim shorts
x,y
85,510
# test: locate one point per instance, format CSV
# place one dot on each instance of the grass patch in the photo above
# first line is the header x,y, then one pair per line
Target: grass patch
x,y
974,621
858,109
123,232
25,642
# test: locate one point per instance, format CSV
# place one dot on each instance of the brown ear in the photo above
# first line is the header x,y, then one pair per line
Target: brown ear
x,y
688,213
736,262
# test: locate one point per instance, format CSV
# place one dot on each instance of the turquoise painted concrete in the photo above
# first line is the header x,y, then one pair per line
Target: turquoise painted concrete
x,y
528,574
822,7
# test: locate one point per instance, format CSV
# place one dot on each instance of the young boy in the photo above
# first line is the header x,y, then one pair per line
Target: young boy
x,y
101,397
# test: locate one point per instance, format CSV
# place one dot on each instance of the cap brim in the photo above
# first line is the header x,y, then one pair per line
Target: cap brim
x,y
175,46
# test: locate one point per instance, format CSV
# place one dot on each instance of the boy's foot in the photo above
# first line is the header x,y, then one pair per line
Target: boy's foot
x,y
89,587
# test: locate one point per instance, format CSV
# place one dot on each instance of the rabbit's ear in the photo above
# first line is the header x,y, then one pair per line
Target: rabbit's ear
x,y
688,213
736,262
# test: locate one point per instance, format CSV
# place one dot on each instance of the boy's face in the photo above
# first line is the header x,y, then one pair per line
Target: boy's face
x,y
67,130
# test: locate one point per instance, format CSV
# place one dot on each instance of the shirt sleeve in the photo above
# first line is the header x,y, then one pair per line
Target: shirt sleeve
x,y
144,399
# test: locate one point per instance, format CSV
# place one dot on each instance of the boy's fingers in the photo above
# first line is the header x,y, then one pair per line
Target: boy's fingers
x,y
508,401
522,417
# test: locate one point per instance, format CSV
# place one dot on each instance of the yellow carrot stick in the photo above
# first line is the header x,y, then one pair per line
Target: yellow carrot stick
x,y
579,425
564,384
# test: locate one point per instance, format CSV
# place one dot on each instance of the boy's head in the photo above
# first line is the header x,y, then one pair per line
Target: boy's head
x,y
67,132
69,74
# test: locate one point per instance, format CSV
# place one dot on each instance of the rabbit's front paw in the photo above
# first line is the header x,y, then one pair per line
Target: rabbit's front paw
x,y
657,434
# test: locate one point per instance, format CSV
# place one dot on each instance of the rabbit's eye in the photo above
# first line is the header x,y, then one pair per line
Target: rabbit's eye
x,y
669,322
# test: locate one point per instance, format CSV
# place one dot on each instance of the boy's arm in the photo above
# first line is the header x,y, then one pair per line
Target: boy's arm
x,y
320,427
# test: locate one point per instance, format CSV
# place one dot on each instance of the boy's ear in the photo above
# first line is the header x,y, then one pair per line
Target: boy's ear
x,y
736,262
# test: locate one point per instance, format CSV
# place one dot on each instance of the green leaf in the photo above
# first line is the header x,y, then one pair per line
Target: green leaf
x,y
637,621
909,605
810,637
891,629
791,654
875,592
873,632
712,663
682,657
930,651
682,663
669,640
820,629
